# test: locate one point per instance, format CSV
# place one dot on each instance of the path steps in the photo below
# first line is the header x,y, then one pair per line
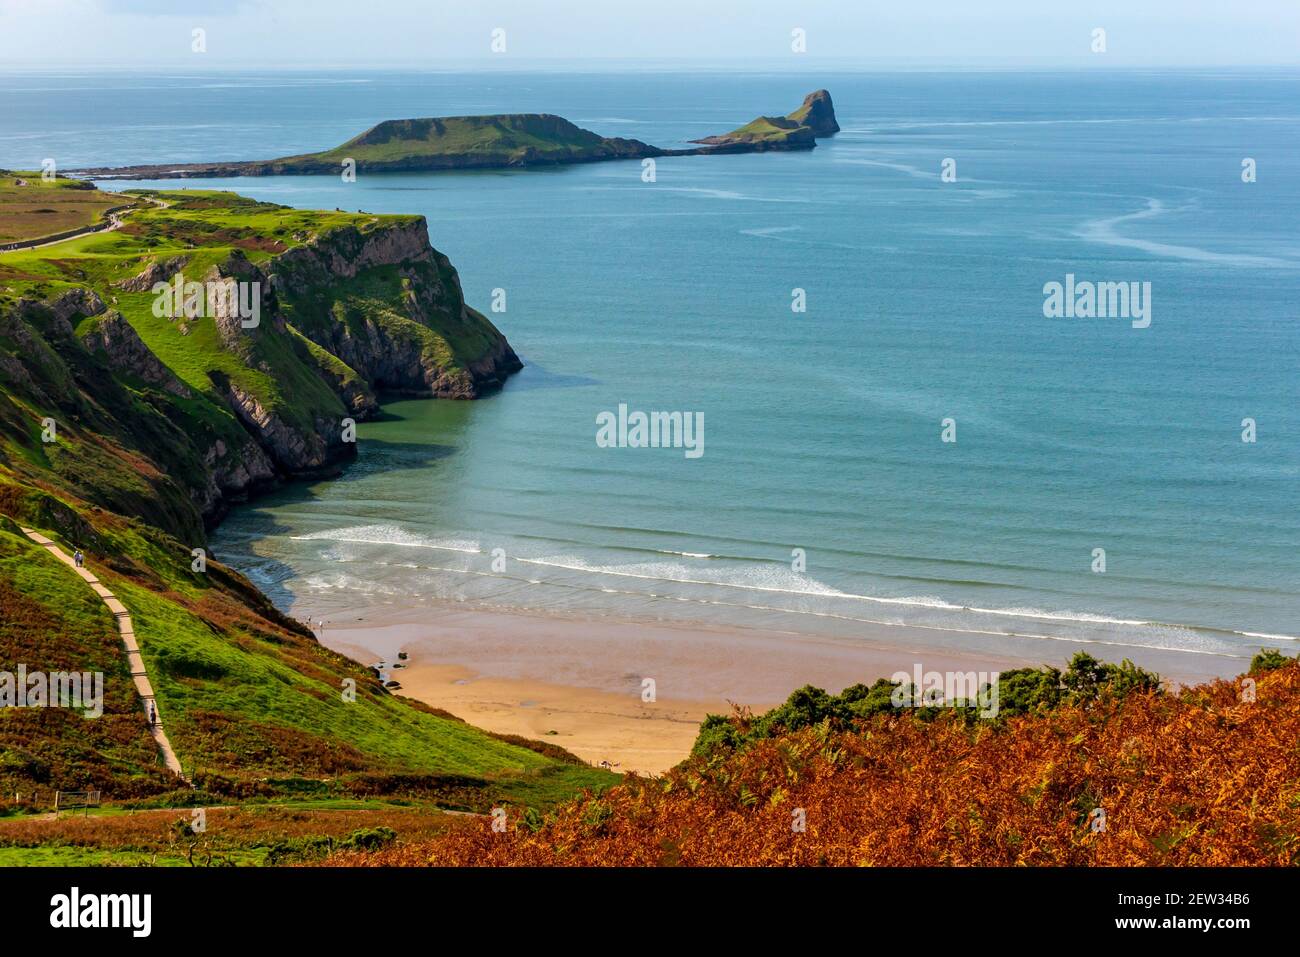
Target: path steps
x,y
138,673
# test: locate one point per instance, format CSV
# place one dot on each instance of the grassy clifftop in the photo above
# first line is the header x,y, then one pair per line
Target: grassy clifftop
x,y
217,406
505,140
126,431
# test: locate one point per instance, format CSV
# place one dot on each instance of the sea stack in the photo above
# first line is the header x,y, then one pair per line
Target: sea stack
x,y
817,113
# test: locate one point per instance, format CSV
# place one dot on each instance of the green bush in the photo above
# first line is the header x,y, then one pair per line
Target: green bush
x,y
1020,691
1268,659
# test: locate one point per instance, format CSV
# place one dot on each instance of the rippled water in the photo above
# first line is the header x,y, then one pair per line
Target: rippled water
x,y
822,429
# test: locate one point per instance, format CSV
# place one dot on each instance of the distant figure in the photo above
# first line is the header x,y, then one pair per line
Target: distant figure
x,y
153,717
79,559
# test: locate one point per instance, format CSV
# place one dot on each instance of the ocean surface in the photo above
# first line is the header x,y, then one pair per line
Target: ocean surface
x,y
822,429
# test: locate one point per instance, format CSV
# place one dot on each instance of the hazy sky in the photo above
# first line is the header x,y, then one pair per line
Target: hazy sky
x,y
430,33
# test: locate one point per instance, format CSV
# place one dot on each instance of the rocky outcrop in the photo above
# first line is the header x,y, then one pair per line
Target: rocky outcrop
x,y
297,451
351,313
123,350
154,272
327,299
762,135
402,347
74,303
818,114
343,252
799,130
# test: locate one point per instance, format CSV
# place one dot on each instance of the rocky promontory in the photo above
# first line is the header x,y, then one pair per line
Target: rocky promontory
x,y
187,411
796,131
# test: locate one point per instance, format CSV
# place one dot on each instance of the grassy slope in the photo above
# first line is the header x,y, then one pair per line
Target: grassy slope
x,y
206,228
765,129
250,698
245,696
496,138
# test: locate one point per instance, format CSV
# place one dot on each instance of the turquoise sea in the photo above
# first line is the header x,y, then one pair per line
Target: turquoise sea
x,y
822,428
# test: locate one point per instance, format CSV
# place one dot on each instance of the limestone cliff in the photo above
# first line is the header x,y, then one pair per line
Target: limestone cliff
x,y
193,413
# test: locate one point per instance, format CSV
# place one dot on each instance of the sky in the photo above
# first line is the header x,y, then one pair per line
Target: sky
x,y
264,34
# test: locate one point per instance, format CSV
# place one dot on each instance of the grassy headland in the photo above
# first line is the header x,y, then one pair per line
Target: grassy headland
x,y
127,432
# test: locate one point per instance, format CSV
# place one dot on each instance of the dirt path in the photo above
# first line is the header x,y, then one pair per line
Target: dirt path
x,y
136,662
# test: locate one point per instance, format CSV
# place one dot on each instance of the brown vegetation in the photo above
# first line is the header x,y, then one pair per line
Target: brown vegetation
x,y
1197,778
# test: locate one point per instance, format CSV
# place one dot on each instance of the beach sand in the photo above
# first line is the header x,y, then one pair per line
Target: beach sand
x,y
579,683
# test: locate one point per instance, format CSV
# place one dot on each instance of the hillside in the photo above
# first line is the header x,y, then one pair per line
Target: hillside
x,y
524,139
127,434
498,141
1092,766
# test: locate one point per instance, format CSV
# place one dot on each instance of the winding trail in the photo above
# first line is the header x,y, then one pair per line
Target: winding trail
x,y
133,657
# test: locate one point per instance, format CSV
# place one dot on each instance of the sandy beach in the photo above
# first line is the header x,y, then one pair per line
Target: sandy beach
x,y
580,683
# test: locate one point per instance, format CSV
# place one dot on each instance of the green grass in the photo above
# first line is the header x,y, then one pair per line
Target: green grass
x,y
285,366
250,700
767,130
240,700
71,856
53,622
501,137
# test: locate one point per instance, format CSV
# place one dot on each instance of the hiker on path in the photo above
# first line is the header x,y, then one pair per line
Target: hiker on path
x,y
153,716
79,559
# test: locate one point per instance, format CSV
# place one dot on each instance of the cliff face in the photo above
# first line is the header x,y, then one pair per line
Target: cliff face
x,y
818,114
192,414
404,326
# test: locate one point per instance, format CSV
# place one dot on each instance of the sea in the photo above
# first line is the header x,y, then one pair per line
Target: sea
x,y
894,429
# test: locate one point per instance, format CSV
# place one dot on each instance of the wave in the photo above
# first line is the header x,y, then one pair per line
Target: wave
x,y
962,629
388,535
767,578
1103,231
